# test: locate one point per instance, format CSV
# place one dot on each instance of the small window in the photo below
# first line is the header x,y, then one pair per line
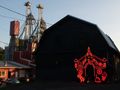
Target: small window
x,y
0,73
3,73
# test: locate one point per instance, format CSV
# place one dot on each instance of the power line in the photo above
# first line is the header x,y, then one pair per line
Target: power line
x,y
12,10
10,17
49,24
4,43
18,19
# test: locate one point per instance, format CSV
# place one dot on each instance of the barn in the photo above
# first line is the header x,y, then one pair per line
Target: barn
x,y
73,49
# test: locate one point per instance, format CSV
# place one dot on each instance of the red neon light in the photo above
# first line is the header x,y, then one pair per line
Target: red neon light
x,y
99,71
104,75
98,64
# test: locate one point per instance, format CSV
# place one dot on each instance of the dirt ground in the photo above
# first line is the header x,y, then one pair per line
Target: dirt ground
x,y
61,86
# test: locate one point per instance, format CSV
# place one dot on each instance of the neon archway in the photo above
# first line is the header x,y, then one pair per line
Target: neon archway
x,y
99,66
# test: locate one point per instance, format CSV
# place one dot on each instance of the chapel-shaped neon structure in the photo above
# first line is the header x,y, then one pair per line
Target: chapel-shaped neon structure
x,y
99,68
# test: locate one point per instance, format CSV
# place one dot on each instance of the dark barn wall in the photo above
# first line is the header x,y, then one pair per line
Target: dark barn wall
x,y
63,42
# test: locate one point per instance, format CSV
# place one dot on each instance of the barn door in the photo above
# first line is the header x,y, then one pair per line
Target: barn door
x,y
89,74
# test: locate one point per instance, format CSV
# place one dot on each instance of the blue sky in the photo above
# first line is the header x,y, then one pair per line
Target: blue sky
x,y
104,13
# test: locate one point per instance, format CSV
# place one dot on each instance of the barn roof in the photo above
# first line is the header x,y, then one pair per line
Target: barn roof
x,y
71,27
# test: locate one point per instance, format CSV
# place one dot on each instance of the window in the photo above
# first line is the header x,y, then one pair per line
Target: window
x,y
2,73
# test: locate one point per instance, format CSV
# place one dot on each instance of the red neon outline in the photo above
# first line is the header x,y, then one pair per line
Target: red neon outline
x,y
99,66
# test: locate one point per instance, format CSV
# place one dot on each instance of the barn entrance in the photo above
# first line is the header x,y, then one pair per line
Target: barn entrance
x,y
89,74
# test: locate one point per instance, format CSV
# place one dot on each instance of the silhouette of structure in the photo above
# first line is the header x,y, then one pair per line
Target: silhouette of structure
x,y
67,40
23,43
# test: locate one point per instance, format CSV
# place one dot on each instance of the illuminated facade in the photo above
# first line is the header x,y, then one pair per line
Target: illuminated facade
x,y
61,50
98,68
10,69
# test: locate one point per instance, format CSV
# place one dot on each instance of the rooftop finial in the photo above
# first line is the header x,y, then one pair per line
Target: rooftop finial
x,y
40,6
28,8
27,4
